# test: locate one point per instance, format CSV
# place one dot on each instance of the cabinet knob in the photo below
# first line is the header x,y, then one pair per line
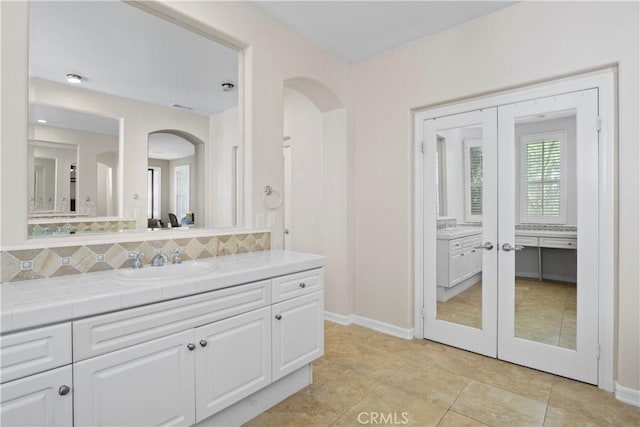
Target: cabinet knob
x,y
64,389
191,346
203,343
303,285
278,317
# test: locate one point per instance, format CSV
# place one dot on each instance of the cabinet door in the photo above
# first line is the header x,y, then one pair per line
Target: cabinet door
x,y
457,268
298,333
150,384
233,360
38,400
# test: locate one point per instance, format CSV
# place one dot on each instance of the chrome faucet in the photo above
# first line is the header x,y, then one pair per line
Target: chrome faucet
x,y
137,259
159,259
176,256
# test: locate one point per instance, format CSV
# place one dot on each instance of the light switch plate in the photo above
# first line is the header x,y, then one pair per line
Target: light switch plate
x,y
271,219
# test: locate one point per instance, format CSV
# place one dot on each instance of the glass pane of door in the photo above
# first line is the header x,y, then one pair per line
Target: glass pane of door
x,y
459,167
545,231
460,204
548,234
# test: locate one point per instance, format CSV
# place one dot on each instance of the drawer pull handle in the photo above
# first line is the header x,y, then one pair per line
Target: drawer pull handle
x,y
570,244
278,316
203,343
64,389
191,346
303,285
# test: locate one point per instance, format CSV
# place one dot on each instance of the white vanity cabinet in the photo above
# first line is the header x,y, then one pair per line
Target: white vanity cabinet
x,y
465,260
36,385
210,357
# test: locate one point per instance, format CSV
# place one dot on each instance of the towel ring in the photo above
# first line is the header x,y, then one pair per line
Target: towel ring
x,y
272,199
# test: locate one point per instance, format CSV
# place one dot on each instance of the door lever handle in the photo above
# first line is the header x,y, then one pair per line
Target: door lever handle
x,y
487,245
507,247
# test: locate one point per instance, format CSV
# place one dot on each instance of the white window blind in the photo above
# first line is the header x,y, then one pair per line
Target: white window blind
x,y
542,178
473,179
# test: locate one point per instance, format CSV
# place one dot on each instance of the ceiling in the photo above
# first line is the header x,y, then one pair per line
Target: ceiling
x,y
166,146
76,120
356,30
124,51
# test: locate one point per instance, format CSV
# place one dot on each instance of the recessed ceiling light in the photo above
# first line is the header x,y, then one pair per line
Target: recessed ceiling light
x,y
41,121
74,78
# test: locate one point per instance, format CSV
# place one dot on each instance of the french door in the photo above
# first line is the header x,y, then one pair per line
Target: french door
x,y
511,232
460,181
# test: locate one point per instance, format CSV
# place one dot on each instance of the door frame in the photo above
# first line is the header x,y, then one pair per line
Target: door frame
x,y
605,81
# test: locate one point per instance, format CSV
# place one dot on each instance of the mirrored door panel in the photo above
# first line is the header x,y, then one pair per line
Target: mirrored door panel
x,y
545,205
460,171
548,191
459,166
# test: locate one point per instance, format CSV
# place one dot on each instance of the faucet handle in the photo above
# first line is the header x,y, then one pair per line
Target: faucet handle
x,y
176,255
137,258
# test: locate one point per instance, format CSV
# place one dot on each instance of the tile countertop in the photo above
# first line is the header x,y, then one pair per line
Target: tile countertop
x,y
44,301
456,232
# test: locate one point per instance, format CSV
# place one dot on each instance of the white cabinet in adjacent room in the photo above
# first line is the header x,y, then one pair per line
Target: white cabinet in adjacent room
x,y
233,360
43,399
148,384
297,333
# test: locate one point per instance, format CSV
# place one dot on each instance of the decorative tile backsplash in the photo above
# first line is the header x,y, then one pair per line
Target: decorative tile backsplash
x,y
63,227
29,264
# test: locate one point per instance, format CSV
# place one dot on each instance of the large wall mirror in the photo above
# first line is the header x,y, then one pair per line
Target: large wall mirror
x,y
131,116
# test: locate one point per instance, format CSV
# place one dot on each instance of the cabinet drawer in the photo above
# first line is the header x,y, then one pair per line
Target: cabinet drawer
x,y
471,241
526,241
557,242
294,285
109,332
37,350
455,244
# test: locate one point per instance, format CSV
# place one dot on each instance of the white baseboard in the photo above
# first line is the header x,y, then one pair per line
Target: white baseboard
x,y
627,395
340,319
376,325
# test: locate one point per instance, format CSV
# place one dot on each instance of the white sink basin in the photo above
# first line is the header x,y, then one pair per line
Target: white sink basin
x,y
168,271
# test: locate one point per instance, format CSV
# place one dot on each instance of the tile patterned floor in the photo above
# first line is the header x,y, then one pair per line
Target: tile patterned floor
x,y
545,311
381,380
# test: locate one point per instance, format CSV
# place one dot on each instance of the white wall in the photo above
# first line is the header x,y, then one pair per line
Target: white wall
x,y
225,135
303,124
318,221
522,44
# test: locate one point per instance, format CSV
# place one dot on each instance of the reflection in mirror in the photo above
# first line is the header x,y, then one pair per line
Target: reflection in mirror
x,y
150,74
546,218
80,176
459,226
173,171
